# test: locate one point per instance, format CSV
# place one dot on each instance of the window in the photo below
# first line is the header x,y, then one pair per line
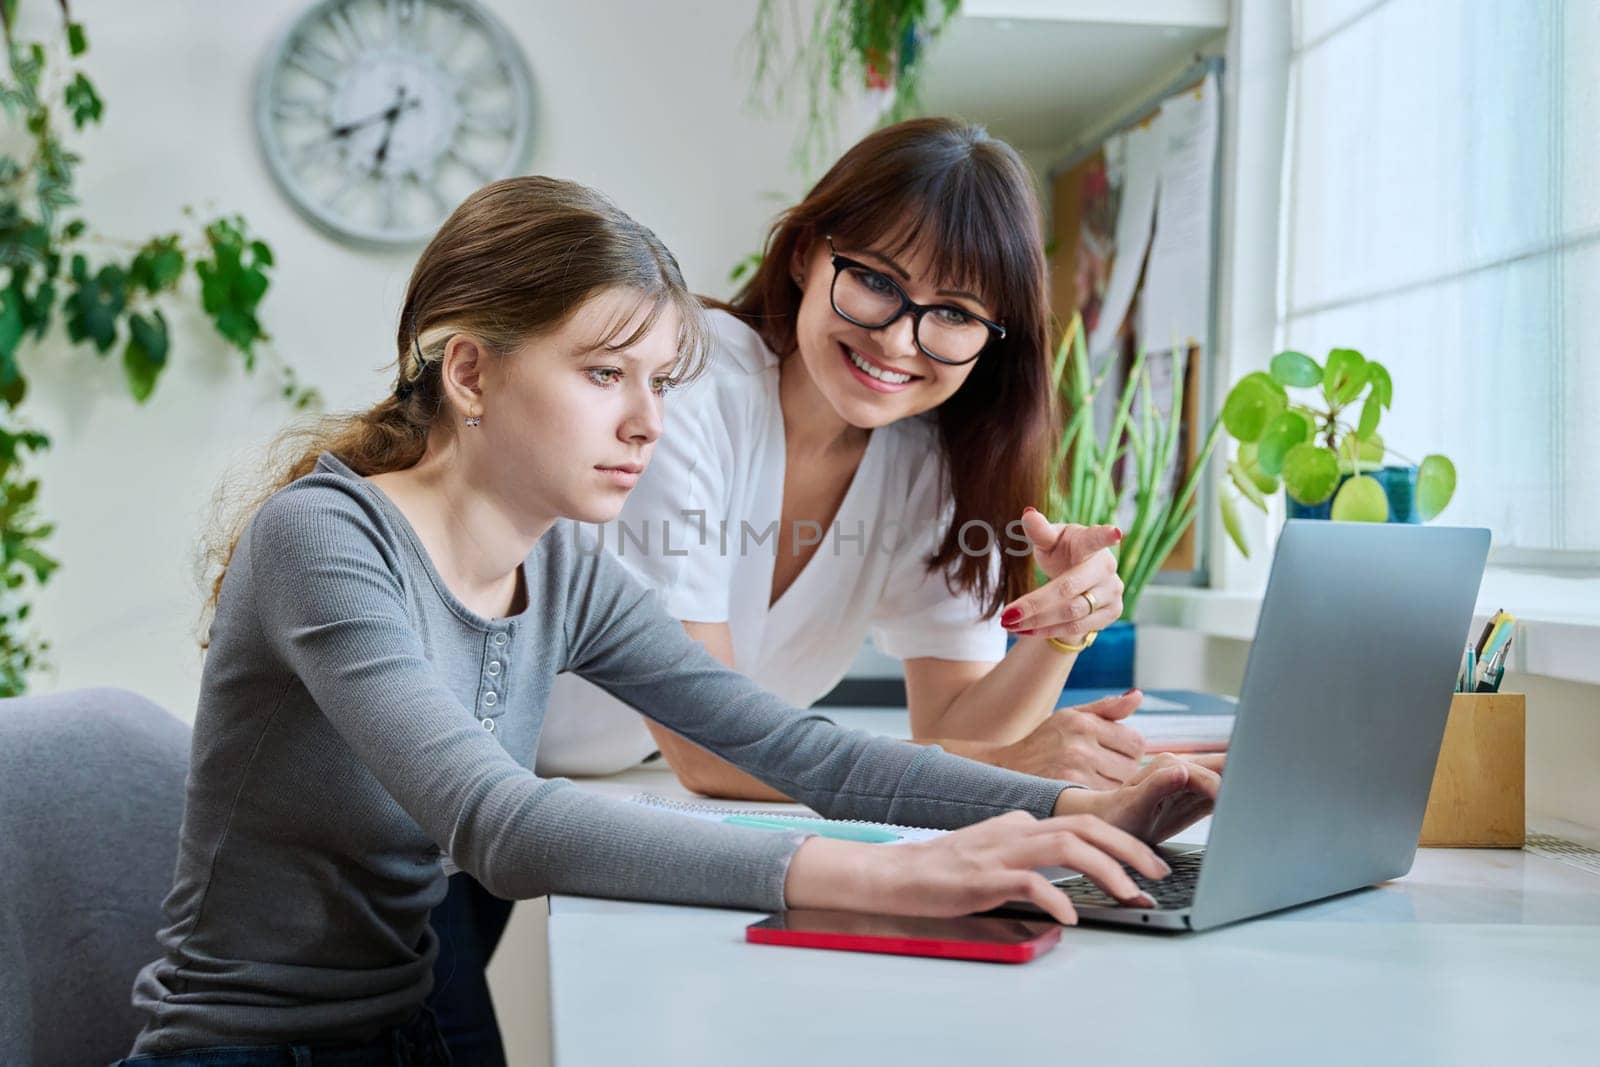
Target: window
x,y
1441,208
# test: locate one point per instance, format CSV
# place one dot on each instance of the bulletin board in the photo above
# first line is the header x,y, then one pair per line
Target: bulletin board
x,y
1133,250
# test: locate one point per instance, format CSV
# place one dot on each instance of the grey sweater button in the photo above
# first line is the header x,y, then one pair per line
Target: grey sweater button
x,y
488,724
494,667
500,638
490,699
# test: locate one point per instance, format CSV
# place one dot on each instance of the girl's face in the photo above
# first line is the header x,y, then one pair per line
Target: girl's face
x,y
570,425
876,377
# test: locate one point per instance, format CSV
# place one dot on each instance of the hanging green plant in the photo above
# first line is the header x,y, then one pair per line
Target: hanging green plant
x,y
107,293
878,44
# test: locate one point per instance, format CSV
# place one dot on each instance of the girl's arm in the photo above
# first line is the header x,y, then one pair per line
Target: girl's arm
x,y
1060,749
623,641
1084,745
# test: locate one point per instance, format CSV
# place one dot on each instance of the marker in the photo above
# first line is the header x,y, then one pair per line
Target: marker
x,y
821,827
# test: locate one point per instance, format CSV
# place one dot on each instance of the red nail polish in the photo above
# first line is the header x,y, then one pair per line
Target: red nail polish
x,y
1118,537
1130,692
1011,617
1026,510
1025,633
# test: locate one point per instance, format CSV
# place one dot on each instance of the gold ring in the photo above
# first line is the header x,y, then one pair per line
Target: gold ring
x,y
1089,599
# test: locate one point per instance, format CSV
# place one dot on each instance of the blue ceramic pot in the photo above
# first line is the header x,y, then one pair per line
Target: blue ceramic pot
x,y
1399,485
1106,664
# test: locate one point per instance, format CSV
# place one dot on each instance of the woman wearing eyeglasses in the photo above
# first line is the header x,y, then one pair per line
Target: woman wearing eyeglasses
x,y
861,459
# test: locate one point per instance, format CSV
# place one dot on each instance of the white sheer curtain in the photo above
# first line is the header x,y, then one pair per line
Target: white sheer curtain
x,y
1442,215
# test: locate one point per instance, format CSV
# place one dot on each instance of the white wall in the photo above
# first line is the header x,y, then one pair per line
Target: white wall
x,y
645,101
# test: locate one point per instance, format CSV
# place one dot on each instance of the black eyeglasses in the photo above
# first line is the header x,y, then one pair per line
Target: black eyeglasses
x,y
869,298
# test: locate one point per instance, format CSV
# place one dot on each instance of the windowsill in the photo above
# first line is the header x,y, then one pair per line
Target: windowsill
x,y
1554,638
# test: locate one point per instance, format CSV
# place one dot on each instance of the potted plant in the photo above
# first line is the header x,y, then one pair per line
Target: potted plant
x,y
1329,464
1096,473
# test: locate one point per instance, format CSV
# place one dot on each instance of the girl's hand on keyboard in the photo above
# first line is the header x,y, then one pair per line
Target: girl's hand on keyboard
x,y
1165,796
973,869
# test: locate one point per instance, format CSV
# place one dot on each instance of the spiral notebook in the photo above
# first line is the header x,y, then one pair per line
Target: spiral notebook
x,y
889,833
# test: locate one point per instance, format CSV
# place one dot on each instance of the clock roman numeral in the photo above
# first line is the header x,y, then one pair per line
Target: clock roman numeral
x,y
471,167
316,63
299,107
312,153
447,41
440,206
403,22
390,192
479,78
350,34
353,179
478,122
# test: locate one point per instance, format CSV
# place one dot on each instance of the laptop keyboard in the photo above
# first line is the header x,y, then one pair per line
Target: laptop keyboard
x,y
1174,891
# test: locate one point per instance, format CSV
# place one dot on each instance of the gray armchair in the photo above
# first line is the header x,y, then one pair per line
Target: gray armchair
x,y
91,799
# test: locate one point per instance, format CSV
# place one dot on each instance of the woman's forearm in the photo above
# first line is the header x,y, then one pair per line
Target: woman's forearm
x,y
703,772
1003,704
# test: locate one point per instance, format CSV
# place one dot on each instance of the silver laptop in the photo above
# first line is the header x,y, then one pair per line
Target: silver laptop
x,y
1337,730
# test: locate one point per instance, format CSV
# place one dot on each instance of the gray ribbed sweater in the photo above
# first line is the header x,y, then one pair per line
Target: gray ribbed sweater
x,y
355,719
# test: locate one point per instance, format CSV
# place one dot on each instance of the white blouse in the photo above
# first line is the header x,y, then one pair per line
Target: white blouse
x,y
701,528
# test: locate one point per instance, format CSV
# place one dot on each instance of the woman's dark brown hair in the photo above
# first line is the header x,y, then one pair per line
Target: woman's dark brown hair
x,y
967,199
512,262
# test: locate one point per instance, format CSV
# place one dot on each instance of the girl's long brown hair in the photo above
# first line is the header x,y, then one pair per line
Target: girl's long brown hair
x,y
512,262
948,187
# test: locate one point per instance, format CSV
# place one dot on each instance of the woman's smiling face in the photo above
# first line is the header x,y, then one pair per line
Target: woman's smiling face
x,y
873,377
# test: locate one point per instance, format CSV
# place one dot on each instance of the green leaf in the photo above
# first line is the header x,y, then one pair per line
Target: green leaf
x,y
83,102
1296,369
1310,473
1231,523
1254,401
1247,485
1282,434
41,565
1369,450
1436,484
1361,499
230,287
12,326
77,40
1248,460
1308,416
1382,387
13,392
1345,376
146,353
1371,412
94,304
158,265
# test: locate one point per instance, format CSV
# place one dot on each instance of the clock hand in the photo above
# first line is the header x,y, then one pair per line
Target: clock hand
x,y
387,114
391,117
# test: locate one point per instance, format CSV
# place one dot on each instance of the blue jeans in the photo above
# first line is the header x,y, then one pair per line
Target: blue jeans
x,y
416,1044
468,923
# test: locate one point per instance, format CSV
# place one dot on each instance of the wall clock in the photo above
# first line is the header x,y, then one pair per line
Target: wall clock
x,y
377,117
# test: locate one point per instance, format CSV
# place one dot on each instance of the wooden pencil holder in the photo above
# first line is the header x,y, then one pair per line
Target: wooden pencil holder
x,y
1478,789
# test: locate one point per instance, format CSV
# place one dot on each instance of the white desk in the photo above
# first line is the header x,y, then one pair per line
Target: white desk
x,y
1474,957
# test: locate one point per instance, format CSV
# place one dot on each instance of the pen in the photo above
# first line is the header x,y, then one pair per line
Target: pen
x,y
1498,640
1488,630
1493,670
820,827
